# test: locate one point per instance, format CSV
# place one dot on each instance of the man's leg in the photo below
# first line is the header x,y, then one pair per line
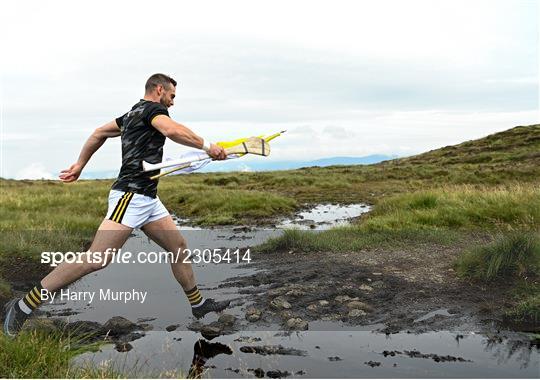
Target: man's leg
x,y
110,235
165,233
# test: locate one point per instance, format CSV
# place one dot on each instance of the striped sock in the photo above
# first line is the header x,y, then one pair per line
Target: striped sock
x,y
31,300
195,297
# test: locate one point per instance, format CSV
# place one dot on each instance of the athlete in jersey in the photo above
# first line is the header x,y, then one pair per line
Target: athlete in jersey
x,y
133,201
140,141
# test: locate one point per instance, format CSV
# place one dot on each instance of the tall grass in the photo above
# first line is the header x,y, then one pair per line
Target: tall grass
x,y
459,207
426,216
39,355
353,239
514,255
212,206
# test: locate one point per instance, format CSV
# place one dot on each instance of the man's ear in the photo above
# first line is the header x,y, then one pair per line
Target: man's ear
x,y
159,89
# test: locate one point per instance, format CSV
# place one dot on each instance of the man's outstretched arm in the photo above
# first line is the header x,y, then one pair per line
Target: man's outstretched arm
x,y
183,135
94,142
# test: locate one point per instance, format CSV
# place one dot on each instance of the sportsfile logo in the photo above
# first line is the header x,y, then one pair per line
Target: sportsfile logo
x,y
187,256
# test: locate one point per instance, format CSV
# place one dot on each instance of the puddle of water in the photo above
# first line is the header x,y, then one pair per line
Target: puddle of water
x,y
165,299
161,352
325,216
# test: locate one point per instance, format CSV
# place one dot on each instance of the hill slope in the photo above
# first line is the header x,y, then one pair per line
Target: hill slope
x,y
519,145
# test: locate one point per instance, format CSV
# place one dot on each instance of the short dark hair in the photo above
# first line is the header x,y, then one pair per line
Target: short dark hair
x,y
159,79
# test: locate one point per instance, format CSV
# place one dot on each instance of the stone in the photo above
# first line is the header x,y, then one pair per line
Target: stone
x,y
258,372
227,319
297,324
359,305
334,358
195,326
253,310
280,303
275,292
253,314
295,293
253,317
312,307
354,313
171,327
342,299
323,303
211,331
119,326
146,326
286,315
366,288
123,347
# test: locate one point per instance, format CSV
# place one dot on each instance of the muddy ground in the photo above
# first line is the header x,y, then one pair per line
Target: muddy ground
x,y
397,288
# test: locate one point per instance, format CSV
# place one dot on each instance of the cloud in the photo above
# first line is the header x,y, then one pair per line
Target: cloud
x,y
349,78
35,170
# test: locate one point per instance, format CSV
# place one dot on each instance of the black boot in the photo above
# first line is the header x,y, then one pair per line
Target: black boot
x,y
208,306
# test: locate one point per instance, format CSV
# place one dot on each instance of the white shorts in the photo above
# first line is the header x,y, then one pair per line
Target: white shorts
x,y
134,210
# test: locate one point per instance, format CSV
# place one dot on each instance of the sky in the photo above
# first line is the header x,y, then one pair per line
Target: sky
x,y
344,78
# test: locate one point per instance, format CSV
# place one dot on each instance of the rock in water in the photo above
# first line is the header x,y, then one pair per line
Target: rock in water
x,y
212,330
227,319
171,327
117,326
123,347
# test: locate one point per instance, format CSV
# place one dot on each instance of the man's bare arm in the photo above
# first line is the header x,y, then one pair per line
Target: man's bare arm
x,y
94,142
183,135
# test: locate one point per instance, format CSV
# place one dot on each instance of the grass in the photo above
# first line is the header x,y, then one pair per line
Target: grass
x,y
514,259
511,256
5,289
526,295
42,354
39,355
429,216
353,239
459,207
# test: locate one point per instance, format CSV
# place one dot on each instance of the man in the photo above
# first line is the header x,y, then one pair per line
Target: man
x,y
133,201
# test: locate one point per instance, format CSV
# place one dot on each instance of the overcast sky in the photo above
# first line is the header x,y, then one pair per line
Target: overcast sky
x,y
344,78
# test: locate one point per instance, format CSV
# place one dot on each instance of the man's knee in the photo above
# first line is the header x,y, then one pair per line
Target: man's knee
x,y
96,262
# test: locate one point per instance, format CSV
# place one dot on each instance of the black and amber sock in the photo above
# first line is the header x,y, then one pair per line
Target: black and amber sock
x,y
31,300
195,297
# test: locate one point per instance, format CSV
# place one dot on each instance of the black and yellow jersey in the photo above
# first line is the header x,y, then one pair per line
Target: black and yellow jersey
x,y
140,141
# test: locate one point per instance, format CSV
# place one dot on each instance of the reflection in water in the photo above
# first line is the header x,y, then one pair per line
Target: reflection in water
x,y
202,352
328,354
511,349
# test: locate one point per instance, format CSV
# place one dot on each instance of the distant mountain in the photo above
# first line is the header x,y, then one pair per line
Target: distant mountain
x,y
264,165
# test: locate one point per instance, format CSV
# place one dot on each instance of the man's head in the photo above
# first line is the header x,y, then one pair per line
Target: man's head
x,y
162,88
